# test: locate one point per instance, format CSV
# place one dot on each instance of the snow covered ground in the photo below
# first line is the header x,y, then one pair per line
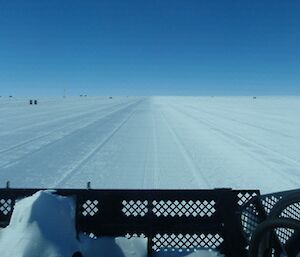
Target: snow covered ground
x,y
136,142
151,142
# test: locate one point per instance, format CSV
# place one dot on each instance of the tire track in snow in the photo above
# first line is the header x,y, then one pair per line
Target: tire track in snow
x,y
155,164
151,180
67,107
146,160
242,142
15,160
241,138
72,120
244,123
56,120
196,172
69,173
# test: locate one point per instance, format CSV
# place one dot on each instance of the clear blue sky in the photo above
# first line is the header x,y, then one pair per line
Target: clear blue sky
x,y
153,47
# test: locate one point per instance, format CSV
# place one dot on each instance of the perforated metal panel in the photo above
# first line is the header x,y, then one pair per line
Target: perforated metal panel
x,y
269,202
90,208
183,208
5,206
244,197
169,219
135,208
250,216
250,220
186,241
293,212
284,234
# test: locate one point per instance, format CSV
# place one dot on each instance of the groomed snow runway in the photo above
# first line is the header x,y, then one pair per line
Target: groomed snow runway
x,y
151,142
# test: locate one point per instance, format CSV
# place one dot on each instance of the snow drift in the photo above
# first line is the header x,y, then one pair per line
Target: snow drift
x,y
41,225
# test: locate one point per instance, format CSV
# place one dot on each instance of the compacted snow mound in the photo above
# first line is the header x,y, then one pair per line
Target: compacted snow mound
x,y
43,225
113,247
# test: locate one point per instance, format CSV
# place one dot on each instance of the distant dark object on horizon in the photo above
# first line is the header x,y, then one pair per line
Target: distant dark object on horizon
x,y
254,97
31,102
10,96
110,97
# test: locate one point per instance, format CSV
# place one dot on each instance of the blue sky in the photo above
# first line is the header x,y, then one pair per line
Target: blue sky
x,y
153,47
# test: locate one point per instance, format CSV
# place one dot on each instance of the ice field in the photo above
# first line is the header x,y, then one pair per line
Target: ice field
x,y
151,142
136,143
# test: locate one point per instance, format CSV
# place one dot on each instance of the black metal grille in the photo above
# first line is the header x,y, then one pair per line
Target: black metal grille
x,y
284,234
169,219
250,220
6,206
251,217
90,207
135,208
269,202
293,212
244,197
183,208
186,241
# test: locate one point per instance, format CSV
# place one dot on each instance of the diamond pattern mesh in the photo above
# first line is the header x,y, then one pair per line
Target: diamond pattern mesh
x,y
135,208
185,241
245,197
284,234
249,220
249,216
269,202
90,208
5,206
293,212
183,208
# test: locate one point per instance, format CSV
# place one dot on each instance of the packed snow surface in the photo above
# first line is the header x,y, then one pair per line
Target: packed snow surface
x,y
38,229
151,142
